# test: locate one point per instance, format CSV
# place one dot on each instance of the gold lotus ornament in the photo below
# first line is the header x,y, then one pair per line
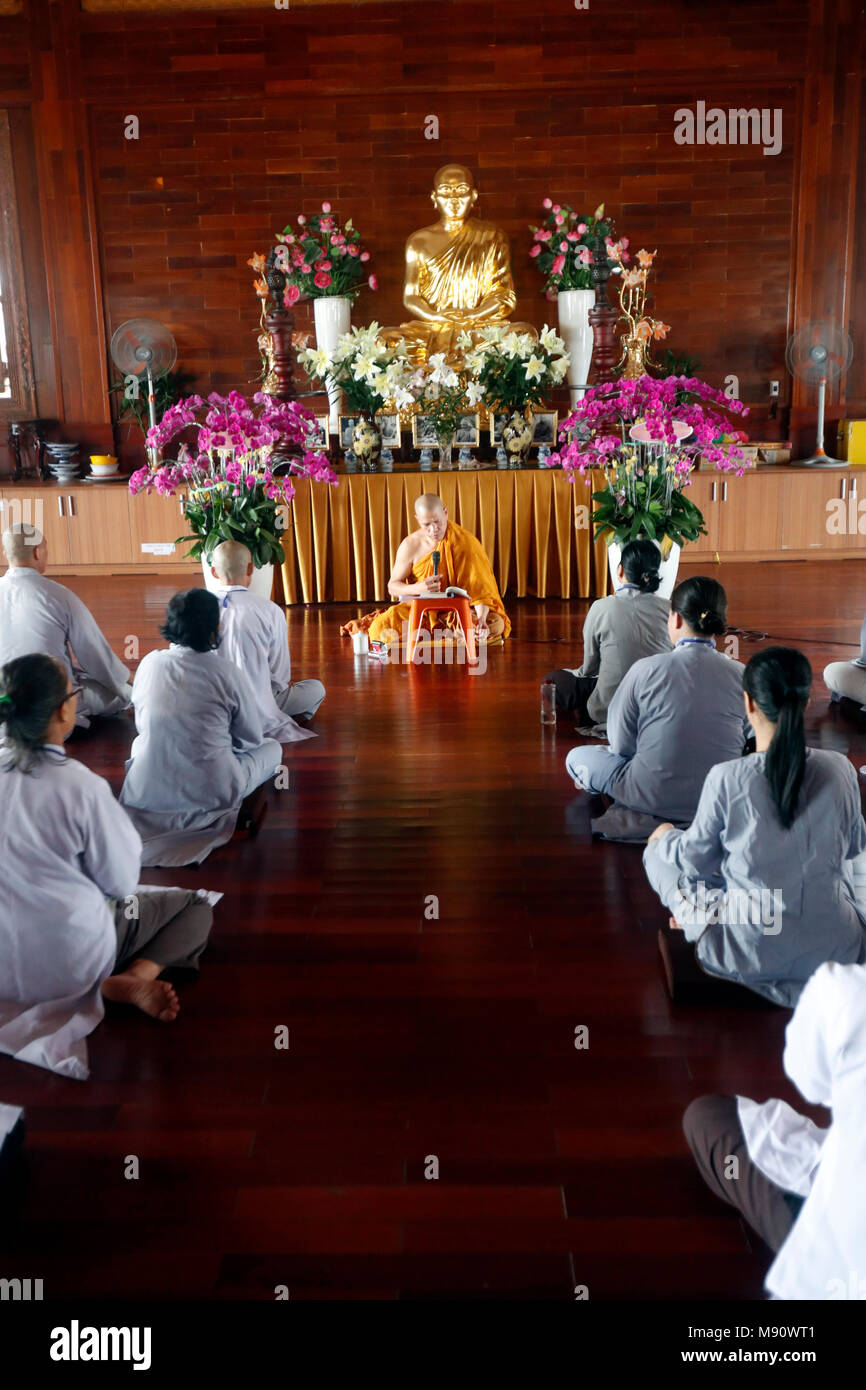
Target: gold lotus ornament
x,y
641,329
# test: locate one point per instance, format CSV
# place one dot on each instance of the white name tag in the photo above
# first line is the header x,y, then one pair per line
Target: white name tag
x,y
157,548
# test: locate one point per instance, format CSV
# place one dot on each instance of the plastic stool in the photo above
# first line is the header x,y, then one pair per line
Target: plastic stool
x,y
458,605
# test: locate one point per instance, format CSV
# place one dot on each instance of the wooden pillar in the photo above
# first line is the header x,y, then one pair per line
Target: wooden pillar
x,y
70,238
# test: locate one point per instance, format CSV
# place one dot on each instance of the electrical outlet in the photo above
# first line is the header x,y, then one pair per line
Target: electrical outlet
x,y
774,388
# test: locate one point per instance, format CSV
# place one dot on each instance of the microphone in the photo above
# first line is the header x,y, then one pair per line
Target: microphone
x,y
436,559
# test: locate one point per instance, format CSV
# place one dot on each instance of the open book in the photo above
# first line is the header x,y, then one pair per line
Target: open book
x,y
452,592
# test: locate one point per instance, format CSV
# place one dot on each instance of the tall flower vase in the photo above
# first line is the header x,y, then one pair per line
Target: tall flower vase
x,y
446,447
667,569
573,308
333,314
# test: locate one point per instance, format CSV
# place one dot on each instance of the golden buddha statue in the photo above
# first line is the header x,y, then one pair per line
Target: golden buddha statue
x,y
458,272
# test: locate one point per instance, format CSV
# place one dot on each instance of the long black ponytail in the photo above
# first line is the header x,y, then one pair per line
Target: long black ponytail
x,y
779,680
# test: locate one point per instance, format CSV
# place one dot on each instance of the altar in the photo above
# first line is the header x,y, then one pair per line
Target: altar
x,y
534,524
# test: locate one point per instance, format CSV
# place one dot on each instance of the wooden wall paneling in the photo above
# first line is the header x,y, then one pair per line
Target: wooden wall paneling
x,y
824,264
68,223
249,117
33,261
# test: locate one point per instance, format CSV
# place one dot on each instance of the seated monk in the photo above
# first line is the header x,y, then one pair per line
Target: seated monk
x,y
458,273
462,564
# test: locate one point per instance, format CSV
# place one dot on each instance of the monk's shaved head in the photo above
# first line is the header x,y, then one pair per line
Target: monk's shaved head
x,y
428,504
20,542
231,560
453,173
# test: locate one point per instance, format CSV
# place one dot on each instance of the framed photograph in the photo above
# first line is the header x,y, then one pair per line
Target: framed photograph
x,y
423,432
389,426
347,424
546,422
467,431
318,438
496,424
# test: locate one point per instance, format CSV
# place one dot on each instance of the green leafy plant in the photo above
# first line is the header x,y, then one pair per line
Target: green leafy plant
x,y
167,390
649,506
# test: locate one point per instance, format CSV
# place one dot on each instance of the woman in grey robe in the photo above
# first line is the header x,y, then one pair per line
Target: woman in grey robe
x,y
75,924
762,879
619,629
200,748
673,717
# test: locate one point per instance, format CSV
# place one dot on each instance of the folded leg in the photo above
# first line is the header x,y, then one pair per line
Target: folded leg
x,y
572,693
169,926
260,764
95,700
593,769
301,698
714,1134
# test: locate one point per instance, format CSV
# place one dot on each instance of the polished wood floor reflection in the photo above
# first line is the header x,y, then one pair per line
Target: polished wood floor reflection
x,y
414,1037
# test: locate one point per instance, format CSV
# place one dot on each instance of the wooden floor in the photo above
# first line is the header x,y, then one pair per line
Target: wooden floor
x,y
412,1037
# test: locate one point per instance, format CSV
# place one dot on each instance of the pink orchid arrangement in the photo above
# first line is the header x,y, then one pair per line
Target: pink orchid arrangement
x,y
564,245
322,258
646,436
228,475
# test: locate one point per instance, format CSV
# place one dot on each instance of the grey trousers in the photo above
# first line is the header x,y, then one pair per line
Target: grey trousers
x,y
301,698
169,926
712,1128
843,678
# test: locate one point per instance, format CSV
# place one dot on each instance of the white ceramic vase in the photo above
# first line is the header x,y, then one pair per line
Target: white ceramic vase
x,y
573,308
261,583
667,569
333,315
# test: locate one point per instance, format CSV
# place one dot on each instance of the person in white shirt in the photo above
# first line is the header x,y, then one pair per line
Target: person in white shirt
x,y
76,927
40,615
253,636
799,1186
200,748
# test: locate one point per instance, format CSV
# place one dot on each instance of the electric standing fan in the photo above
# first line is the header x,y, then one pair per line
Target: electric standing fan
x,y
818,353
145,349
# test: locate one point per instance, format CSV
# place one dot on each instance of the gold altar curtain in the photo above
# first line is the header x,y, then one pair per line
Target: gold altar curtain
x,y
341,541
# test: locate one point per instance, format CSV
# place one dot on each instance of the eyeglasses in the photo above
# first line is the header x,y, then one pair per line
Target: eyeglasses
x,y
76,690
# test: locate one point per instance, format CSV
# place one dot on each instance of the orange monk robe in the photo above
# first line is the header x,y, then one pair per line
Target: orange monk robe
x,y
462,563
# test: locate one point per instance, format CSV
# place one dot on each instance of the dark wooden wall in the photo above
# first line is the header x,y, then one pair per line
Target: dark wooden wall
x,y
249,117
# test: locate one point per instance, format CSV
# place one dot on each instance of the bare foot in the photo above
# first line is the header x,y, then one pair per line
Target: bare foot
x,y
154,997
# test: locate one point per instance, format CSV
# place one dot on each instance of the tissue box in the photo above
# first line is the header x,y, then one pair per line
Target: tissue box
x,y
851,442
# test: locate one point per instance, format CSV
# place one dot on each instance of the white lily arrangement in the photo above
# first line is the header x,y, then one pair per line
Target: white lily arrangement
x,y
443,393
514,370
370,372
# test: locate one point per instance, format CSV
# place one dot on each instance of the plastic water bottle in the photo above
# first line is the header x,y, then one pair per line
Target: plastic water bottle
x,y
351,461
426,465
543,455
501,457
464,458
548,703
386,461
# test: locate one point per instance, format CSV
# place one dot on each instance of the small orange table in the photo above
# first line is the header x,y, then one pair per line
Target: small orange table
x,y
458,605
